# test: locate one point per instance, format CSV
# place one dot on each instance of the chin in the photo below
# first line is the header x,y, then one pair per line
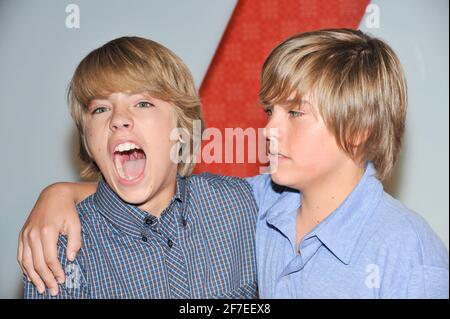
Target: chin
x,y
285,178
281,178
135,197
133,193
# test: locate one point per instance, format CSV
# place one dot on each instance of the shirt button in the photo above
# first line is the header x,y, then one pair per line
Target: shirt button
x,y
184,222
169,243
144,239
149,221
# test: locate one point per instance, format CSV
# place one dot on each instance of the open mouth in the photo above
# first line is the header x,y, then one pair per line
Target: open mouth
x,y
129,161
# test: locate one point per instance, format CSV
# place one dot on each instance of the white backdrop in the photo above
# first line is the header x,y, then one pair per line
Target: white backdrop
x,y
418,31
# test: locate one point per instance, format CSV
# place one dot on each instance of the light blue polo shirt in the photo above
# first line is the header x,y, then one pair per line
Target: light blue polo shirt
x,y
371,246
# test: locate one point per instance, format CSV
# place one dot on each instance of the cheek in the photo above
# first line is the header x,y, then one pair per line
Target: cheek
x,y
314,147
96,143
157,135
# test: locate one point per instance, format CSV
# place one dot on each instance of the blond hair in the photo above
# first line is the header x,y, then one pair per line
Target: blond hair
x,y
357,82
134,64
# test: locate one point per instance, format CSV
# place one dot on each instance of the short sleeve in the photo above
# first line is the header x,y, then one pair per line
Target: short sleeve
x,y
428,282
260,185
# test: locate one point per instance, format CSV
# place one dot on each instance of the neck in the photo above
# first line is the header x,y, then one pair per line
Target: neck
x,y
320,199
161,199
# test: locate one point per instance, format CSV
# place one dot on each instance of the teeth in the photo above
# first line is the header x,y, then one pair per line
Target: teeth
x,y
119,167
126,147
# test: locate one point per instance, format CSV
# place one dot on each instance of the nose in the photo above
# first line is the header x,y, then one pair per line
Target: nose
x,y
121,120
273,133
271,130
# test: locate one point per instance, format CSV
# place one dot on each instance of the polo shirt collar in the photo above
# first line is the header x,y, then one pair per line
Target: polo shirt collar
x,y
340,231
128,217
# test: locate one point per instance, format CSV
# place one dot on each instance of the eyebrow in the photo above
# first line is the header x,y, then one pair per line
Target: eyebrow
x,y
291,104
98,98
300,102
129,95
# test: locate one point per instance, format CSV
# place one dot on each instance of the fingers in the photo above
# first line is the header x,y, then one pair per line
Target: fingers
x,y
40,265
27,261
20,255
49,238
73,239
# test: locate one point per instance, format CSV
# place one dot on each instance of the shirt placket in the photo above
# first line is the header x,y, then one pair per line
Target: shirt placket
x,y
166,230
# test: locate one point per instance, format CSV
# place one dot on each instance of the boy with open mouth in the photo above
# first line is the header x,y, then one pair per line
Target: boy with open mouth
x,y
150,230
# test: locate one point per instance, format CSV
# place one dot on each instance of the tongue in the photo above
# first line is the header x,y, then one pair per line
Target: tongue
x,y
133,168
133,164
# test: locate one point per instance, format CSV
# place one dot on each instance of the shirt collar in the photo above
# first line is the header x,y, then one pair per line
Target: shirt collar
x,y
282,214
127,217
340,231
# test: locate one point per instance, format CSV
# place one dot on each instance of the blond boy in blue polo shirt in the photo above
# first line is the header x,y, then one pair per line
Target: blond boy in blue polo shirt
x,y
336,105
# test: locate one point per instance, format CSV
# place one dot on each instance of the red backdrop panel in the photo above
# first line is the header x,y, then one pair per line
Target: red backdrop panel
x,y
230,89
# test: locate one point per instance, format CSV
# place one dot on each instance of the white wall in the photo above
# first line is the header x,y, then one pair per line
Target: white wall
x,y
418,31
38,55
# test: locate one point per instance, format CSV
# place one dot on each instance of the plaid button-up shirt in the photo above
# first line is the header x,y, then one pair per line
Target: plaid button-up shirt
x,y
202,246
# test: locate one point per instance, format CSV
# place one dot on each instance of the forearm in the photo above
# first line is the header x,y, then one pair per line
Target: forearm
x,y
76,192
83,190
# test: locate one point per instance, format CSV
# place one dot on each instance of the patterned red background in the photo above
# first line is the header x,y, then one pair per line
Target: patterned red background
x,y
230,89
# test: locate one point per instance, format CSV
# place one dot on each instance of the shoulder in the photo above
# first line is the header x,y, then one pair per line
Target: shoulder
x,y
90,219
212,184
261,184
413,261
265,191
221,193
93,225
406,233
87,207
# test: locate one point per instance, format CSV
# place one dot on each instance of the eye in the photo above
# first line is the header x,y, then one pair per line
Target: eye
x,y
144,104
268,111
99,110
293,113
